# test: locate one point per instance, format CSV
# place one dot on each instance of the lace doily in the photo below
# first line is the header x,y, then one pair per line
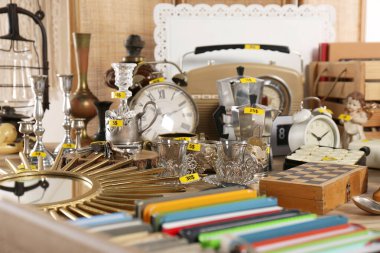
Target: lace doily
x,y
165,13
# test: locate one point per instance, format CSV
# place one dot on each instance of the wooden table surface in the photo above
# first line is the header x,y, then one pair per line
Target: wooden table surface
x,y
349,209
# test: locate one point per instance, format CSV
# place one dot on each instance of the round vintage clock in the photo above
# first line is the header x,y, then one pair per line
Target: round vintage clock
x,y
177,112
311,129
277,93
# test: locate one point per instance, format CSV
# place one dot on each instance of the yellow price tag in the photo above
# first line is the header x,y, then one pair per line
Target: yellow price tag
x,y
118,94
22,167
194,147
268,150
345,117
329,158
252,46
68,145
182,139
189,178
325,110
248,80
157,80
38,153
365,140
115,123
253,110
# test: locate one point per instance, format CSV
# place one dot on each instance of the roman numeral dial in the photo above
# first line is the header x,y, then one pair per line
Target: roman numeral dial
x,y
177,112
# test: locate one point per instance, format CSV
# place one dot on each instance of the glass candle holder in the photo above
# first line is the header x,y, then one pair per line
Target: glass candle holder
x,y
237,163
171,157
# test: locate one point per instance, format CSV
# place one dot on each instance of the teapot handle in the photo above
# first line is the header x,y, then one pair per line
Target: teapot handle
x,y
154,117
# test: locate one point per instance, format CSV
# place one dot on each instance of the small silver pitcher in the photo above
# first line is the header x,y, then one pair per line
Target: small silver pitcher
x,y
124,131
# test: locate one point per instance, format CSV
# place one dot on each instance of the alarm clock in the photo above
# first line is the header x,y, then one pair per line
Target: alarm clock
x,y
177,112
313,128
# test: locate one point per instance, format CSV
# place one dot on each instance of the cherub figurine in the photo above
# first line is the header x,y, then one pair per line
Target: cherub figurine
x,y
358,116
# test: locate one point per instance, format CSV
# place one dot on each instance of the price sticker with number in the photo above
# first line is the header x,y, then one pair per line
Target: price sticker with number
x,y
182,138
325,110
38,153
115,123
248,80
68,145
189,178
329,158
22,167
194,147
252,46
118,94
345,117
157,80
253,110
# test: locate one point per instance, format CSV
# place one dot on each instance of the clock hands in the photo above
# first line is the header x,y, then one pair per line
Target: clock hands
x,y
316,137
319,138
323,135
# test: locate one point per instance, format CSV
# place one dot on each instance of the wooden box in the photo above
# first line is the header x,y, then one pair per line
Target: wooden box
x,y
362,76
316,187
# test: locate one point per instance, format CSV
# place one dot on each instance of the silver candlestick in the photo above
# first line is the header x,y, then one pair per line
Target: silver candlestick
x,y
78,124
26,128
65,83
39,149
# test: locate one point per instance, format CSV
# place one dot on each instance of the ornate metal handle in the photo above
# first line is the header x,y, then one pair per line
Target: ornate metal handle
x,y
144,111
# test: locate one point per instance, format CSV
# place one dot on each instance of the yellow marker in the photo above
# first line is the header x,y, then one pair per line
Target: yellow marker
x,y
68,145
248,80
325,110
253,110
38,153
194,147
157,80
115,123
252,46
182,138
345,117
22,167
189,178
329,158
118,94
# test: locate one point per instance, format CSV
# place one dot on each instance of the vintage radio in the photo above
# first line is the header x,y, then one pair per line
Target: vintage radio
x,y
284,86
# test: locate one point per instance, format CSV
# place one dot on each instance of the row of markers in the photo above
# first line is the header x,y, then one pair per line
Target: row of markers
x,y
230,220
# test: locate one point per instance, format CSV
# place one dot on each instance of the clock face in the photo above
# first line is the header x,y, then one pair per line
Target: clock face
x,y
275,100
177,112
321,132
277,92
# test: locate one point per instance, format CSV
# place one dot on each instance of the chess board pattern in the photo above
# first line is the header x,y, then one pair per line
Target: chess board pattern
x,y
312,173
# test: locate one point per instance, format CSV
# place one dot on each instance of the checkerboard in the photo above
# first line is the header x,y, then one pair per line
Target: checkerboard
x,y
312,173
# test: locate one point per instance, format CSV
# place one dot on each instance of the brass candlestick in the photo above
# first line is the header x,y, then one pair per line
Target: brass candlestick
x,y
39,149
65,83
79,125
